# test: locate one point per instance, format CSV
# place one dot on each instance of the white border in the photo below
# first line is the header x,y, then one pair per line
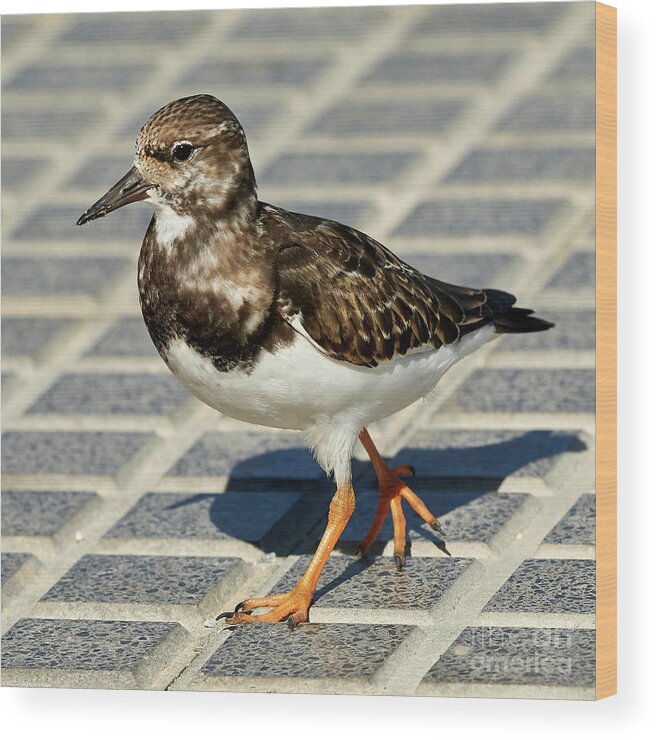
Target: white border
x,y
61,713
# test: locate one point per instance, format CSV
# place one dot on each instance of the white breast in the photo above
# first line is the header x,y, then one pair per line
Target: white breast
x,y
298,387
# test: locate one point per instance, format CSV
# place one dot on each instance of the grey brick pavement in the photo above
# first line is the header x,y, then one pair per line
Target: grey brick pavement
x,y
462,137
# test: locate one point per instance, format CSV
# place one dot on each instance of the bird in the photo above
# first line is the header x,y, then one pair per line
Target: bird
x,y
288,320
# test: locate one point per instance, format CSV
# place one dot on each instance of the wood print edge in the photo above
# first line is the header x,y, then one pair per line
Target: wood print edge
x,y
606,349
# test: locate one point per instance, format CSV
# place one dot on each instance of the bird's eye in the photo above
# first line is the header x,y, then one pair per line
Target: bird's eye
x,y
182,152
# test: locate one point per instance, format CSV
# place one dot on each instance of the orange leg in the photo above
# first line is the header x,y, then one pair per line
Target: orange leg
x,y
294,606
392,491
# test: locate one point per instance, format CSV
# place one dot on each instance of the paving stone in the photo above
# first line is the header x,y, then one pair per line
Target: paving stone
x,y
14,29
527,390
258,72
461,268
489,455
249,455
40,513
111,29
466,516
68,453
476,216
360,583
550,112
522,165
314,24
337,168
11,562
551,586
121,393
58,223
347,651
118,76
52,122
81,644
411,67
579,64
369,117
574,330
137,579
126,338
577,527
242,515
518,655
577,272
352,212
495,18
17,171
68,275
28,336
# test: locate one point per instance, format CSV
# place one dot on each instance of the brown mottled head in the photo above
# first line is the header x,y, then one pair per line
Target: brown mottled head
x,y
194,152
191,160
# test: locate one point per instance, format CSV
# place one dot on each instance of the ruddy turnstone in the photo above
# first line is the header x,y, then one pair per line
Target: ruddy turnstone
x,y
287,320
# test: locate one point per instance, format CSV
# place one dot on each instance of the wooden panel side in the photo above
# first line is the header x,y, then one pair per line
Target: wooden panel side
x,y
606,349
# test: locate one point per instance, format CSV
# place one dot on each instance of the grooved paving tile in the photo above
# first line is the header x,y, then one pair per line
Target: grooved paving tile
x,y
574,330
111,29
28,336
555,586
476,216
577,272
351,212
258,72
497,18
91,393
139,579
525,165
248,455
39,513
337,168
577,527
485,454
49,123
17,171
314,24
69,453
128,337
60,78
81,644
360,117
10,563
242,515
411,67
475,270
518,655
579,65
347,651
58,223
527,390
69,275
466,516
14,29
551,112
360,583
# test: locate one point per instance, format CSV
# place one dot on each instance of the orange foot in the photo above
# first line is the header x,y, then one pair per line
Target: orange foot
x,y
292,607
392,491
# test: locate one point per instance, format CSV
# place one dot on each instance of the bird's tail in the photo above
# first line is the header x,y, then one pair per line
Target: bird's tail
x,y
520,321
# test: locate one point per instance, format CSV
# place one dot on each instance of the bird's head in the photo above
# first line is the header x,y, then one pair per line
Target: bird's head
x,y
191,154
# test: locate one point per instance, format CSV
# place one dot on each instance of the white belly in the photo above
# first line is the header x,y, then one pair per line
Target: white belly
x,y
298,387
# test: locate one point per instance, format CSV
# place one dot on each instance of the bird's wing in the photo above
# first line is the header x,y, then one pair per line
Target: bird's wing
x,y
358,302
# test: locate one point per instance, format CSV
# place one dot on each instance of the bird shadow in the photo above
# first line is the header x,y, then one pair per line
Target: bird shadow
x,y
285,513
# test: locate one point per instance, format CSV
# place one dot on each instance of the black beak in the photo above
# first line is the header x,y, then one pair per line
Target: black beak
x,y
129,189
